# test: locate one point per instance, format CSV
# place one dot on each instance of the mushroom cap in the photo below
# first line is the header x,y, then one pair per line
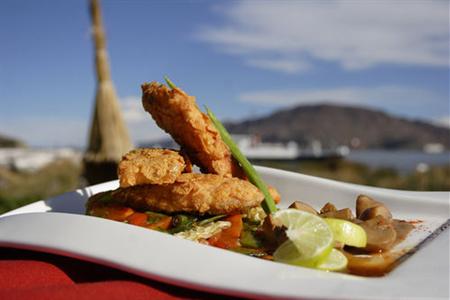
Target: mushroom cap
x,y
303,206
364,202
372,212
381,234
344,214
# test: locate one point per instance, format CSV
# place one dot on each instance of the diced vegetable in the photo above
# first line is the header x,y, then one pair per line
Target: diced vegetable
x,y
139,219
248,239
162,224
182,223
229,237
154,217
111,211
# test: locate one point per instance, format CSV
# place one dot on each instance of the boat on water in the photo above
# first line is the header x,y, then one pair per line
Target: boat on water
x,y
255,149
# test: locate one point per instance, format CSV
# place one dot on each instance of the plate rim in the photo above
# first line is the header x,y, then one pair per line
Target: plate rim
x,y
220,290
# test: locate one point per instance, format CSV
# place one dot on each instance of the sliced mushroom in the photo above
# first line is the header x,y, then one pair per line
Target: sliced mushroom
x,y
371,265
372,212
402,228
367,208
274,233
328,208
344,214
381,234
364,202
303,206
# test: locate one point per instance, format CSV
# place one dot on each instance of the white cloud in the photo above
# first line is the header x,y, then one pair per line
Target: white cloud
x,y
285,35
48,131
382,96
140,124
132,109
282,65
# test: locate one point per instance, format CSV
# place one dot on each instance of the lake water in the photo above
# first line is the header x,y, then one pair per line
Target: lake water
x,y
403,161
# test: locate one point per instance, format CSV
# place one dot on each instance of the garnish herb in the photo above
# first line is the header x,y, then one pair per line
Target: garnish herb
x,y
169,82
268,204
209,220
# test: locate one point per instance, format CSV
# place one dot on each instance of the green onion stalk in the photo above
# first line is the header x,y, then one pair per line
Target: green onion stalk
x,y
269,204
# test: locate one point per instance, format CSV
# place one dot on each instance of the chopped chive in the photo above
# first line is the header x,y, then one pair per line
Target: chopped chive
x,y
209,220
170,83
268,204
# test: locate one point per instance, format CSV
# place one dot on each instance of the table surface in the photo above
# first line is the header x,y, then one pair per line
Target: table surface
x,y
35,275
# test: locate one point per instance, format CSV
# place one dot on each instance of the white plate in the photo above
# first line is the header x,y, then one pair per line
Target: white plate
x,y
59,226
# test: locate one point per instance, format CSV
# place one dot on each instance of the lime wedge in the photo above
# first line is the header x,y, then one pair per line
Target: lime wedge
x,y
310,239
347,232
335,261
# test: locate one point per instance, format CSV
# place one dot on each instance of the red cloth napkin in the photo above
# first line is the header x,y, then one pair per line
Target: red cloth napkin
x,y
34,275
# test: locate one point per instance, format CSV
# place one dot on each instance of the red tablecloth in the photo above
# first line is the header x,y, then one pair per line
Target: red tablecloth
x,y
34,275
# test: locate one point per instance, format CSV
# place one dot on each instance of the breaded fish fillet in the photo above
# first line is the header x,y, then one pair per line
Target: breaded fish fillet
x,y
150,166
178,114
193,193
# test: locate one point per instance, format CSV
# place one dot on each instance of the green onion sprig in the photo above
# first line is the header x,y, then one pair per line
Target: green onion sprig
x,y
170,83
268,204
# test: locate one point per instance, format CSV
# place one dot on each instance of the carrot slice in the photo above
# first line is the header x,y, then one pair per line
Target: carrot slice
x,y
111,211
229,237
139,219
162,224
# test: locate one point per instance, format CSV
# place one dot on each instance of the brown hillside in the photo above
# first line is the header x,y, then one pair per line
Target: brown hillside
x,y
338,125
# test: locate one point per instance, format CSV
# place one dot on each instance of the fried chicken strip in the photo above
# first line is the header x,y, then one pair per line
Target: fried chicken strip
x,y
150,166
178,114
193,193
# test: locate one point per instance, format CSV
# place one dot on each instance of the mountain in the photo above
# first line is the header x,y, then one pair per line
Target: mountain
x,y
8,142
334,125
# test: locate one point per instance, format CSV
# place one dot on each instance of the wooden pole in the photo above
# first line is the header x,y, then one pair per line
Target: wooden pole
x,y
108,138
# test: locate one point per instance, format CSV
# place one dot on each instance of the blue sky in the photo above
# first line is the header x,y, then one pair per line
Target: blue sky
x,y
241,58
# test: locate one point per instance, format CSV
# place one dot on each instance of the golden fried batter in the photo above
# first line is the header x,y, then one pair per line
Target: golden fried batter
x,y
178,114
150,166
193,193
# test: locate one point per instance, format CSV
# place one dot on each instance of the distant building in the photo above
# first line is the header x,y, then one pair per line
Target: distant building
x,y
254,148
30,160
433,148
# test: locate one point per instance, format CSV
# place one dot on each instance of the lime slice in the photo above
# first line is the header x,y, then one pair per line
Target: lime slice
x,y
335,261
309,238
347,232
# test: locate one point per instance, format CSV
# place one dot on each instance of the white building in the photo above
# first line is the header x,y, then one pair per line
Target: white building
x,y
30,160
